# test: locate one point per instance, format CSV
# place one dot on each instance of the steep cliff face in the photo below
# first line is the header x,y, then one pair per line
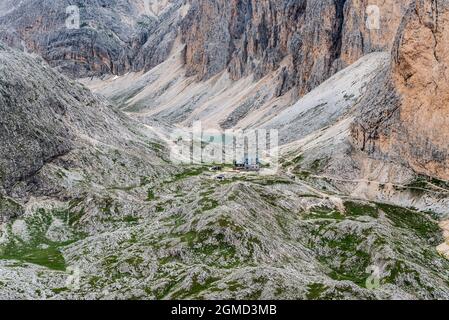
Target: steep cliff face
x,y
314,38
405,117
114,36
308,39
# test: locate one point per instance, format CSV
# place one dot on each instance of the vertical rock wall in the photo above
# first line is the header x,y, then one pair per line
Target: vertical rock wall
x,y
406,116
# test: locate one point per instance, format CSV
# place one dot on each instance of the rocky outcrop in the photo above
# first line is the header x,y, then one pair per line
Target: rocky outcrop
x,y
405,118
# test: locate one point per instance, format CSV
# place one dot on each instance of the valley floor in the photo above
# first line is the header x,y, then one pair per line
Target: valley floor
x,y
189,236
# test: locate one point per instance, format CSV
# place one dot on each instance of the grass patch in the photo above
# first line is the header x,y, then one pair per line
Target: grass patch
x,y
150,195
131,219
272,182
315,291
356,209
33,246
418,222
50,257
188,173
345,259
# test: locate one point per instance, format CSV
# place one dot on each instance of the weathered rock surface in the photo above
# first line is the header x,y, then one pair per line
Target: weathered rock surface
x,y
309,39
46,117
108,218
405,116
333,100
114,36
317,38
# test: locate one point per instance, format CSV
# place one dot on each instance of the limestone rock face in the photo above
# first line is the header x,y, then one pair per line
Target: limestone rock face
x,y
310,39
406,116
114,36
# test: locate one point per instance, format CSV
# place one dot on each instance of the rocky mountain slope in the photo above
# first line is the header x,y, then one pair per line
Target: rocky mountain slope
x,y
47,119
114,36
309,39
405,116
107,218
242,63
317,38
92,208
